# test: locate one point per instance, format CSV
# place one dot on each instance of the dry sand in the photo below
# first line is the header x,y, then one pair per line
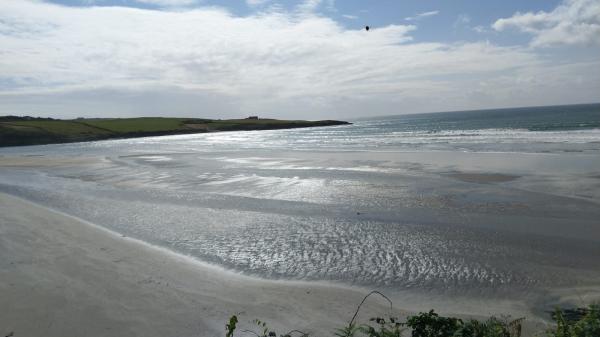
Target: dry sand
x,y
60,276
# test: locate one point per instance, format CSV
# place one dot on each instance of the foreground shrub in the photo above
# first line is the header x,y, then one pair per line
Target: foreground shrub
x,y
569,323
585,323
432,325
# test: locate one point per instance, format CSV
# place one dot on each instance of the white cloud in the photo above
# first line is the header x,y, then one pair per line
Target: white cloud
x,y
422,16
168,3
71,61
311,6
571,22
254,3
350,17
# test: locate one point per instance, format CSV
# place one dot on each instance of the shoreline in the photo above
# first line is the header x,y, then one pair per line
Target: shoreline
x,y
71,277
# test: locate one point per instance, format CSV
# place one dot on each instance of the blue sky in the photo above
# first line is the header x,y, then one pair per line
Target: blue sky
x,y
294,59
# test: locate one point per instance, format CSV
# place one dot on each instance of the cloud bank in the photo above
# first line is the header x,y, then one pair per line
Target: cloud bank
x,y
572,22
118,61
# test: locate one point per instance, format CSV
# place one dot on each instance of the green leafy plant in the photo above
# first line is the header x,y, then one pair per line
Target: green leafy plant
x,y
348,331
584,324
264,330
231,326
433,325
386,328
493,327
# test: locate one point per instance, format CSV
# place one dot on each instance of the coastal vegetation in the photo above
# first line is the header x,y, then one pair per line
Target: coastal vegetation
x,y
16,130
580,322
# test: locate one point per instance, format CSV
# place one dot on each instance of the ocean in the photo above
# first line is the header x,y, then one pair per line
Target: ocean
x,y
491,203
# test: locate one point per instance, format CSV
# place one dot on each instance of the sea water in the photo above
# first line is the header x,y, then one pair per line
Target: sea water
x,y
498,202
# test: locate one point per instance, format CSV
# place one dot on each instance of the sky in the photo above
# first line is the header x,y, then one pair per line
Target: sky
x,y
303,59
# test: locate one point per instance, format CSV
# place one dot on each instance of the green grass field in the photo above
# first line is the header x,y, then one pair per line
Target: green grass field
x,y
144,124
67,128
33,131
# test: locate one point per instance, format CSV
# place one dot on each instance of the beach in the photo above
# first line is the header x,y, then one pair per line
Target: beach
x,y
305,168
63,277
172,235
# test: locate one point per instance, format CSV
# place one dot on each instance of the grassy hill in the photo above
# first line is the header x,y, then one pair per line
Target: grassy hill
x,y
33,131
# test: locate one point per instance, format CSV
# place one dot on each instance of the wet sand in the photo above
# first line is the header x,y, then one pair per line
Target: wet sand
x,y
64,277
483,178
38,161
61,276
